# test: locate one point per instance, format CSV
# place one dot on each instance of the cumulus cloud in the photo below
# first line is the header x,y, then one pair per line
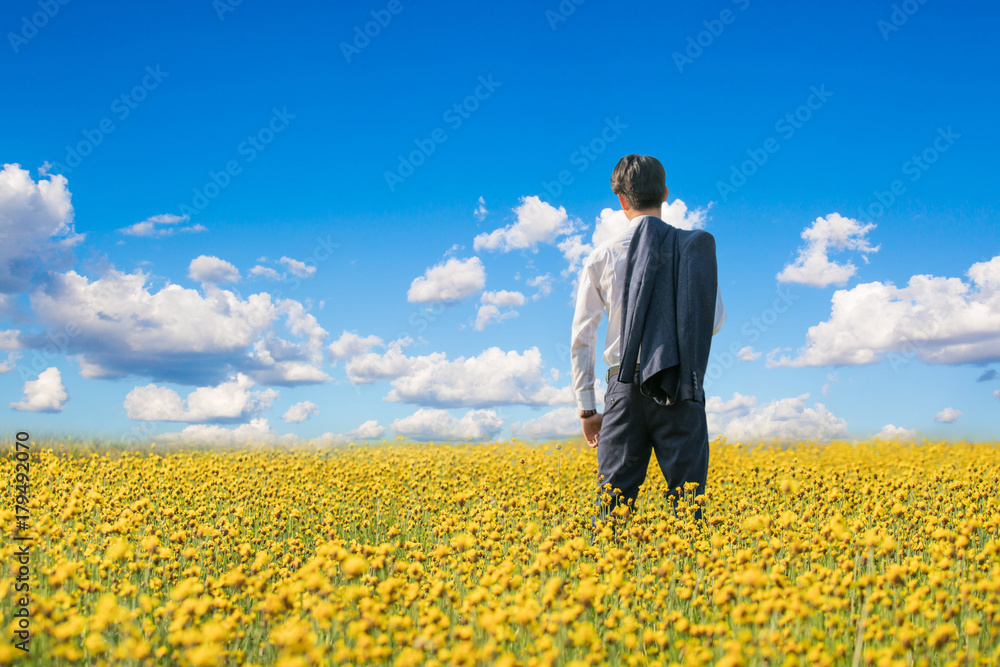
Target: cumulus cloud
x,y
370,430
481,211
435,424
176,334
10,364
46,394
996,394
448,281
164,224
297,268
300,412
542,283
747,353
558,423
350,344
229,402
948,416
211,269
258,431
740,418
489,312
890,432
936,320
832,233
493,377
537,222
265,272
36,228
503,298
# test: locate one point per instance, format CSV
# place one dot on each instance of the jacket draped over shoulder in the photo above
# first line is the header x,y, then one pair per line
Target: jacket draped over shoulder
x,y
668,310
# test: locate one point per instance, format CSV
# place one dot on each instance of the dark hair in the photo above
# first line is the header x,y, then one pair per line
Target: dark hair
x,y
641,180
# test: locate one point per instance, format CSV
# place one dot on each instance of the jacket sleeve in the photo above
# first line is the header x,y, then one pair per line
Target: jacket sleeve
x,y
697,291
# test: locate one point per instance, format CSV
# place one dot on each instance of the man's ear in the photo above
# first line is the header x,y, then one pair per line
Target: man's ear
x,y
666,191
624,204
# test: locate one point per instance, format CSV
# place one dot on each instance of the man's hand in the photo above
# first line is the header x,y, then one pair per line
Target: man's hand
x,y
591,428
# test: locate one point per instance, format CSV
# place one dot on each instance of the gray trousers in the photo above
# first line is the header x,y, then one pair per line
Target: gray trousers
x,y
633,427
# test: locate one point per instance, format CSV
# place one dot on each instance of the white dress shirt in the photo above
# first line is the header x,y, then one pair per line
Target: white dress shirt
x,y
600,287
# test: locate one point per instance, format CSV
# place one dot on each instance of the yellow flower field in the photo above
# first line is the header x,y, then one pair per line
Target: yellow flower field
x,y
423,554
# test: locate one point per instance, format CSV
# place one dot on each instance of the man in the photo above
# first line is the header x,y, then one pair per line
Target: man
x,y
637,421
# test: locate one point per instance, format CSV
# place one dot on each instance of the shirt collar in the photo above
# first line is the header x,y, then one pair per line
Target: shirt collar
x,y
637,219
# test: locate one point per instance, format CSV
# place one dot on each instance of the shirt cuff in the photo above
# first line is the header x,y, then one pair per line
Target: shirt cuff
x,y
585,400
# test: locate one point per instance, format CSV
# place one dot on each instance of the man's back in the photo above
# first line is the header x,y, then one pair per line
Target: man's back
x,y
601,287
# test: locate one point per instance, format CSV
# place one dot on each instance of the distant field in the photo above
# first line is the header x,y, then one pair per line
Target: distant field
x,y
413,554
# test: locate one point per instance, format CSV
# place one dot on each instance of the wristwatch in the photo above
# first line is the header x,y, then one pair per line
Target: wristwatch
x,y
587,413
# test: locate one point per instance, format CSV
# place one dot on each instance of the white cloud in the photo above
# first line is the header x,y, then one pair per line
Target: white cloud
x,y
537,222
543,284
297,268
742,419
229,401
747,353
494,377
350,344
370,430
211,269
948,416
160,225
434,424
890,432
834,232
10,364
937,320
997,394
46,394
575,251
10,339
36,228
258,431
503,298
266,272
300,412
558,423
488,314
177,334
453,279
481,211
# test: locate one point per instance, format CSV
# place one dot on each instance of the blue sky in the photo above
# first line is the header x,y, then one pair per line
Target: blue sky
x,y
232,220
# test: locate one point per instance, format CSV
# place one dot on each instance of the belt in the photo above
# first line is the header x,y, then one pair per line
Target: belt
x,y
614,370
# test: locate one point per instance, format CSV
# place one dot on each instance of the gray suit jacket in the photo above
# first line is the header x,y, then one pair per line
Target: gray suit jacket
x,y
668,309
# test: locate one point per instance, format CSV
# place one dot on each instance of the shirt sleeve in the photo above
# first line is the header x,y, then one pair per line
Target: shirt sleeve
x,y
720,312
583,346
